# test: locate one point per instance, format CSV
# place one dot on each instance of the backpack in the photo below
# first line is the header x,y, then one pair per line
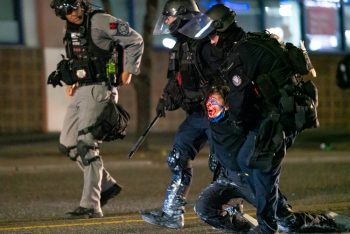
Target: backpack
x,y
288,104
110,125
284,91
343,73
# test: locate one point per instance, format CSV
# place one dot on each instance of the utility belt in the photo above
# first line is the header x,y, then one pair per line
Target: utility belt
x,y
84,72
89,82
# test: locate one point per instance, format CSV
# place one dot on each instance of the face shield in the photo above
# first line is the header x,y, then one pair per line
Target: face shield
x,y
66,7
161,28
199,27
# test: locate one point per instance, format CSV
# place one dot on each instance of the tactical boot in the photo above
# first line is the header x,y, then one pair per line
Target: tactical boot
x,y
109,194
286,220
288,223
83,213
237,221
162,219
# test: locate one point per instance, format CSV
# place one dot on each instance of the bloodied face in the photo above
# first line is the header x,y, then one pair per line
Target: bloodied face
x,y
215,105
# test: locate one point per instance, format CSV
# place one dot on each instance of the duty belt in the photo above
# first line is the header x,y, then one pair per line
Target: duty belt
x,y
86,83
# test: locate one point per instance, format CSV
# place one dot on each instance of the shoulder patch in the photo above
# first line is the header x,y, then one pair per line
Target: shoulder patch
x,y
123,29
236,80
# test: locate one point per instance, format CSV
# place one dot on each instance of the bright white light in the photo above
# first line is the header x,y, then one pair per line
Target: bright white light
x,y
285,10
278,31
315,44
169,43
267,9
347,34
333,41
325,3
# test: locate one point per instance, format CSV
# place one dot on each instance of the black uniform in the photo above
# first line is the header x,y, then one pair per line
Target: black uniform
x,y
234,140
186,89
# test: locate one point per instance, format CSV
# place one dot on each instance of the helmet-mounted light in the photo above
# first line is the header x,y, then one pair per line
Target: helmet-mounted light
x,y
63,8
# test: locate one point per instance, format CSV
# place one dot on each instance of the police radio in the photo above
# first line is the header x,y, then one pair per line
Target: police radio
x,y
114,66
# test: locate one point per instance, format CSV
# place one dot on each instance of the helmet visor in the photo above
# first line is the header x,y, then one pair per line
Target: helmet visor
x,y
161,28
66,8
199,27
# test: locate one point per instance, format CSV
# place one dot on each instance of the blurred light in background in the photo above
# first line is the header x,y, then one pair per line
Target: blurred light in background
x,y
169,42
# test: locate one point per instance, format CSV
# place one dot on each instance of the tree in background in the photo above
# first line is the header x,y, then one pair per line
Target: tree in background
x,y
143,83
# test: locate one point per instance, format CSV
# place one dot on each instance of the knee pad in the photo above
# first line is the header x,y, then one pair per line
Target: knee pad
x,y
70,152
82,150
174,159
213,162
187,176
177,161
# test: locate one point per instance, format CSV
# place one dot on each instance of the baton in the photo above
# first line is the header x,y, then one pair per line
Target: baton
x,y
138,143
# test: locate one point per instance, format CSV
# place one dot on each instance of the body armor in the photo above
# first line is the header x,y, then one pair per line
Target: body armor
x,y
87,61
185,68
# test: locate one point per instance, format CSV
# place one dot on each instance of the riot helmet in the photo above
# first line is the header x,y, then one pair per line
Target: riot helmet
x,y
183,10
216,19
66,7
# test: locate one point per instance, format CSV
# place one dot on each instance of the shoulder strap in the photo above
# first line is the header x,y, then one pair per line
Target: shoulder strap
x,y
273,45
197,61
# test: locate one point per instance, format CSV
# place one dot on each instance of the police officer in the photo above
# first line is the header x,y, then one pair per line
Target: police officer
x,y
90,40
245,109
186,88
234,183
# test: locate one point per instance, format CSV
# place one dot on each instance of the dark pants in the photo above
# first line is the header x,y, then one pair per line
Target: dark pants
x,y
209,204
265,185
191,136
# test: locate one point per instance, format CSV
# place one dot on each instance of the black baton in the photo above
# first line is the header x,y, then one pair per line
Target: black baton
x,y
138,143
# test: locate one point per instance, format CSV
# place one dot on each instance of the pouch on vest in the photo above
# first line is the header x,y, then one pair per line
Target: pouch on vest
x,y
111,124
268,141
82,69
67,76
267,88
299,108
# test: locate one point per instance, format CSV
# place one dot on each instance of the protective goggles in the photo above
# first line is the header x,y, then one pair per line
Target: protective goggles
x,y
67,8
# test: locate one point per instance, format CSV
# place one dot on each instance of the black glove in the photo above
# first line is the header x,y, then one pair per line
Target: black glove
x,y
54,79
161,107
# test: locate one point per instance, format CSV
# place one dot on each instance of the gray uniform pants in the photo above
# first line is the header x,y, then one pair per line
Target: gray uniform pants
x,y
86,105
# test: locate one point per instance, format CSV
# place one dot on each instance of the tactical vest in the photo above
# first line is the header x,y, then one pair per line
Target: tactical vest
x,y
184,66
183,59
282,91
87,61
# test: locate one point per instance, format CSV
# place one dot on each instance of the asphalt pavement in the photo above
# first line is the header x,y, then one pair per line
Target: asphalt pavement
x,y
38,185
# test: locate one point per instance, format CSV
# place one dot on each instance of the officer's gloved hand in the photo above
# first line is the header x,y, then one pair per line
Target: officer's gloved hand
x,y
161,107
54,79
